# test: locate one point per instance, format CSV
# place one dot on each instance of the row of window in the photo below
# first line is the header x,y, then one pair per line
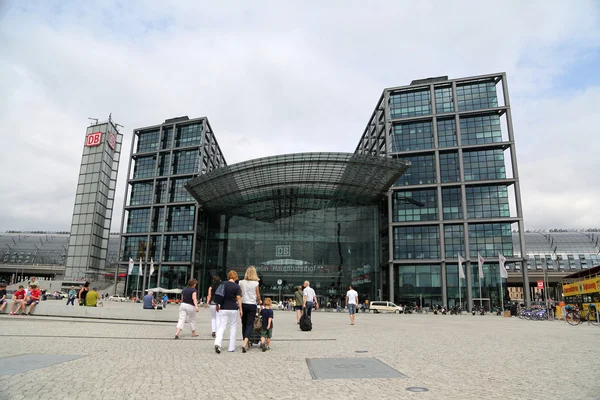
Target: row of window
x,y
423,242
166,190
172,248
469,96
179,218
479,166
186,135
181,162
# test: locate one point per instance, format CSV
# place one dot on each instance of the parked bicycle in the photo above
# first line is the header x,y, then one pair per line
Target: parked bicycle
x,y
575,316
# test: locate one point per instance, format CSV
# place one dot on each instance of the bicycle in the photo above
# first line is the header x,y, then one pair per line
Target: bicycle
x,y
575,316
572,317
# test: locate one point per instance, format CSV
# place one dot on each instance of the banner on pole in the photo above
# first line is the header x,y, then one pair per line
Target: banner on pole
x,y
141,271
461,271
151,266
130,270
480,262
502,261
540,284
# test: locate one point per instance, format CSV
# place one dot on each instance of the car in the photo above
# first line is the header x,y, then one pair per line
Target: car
x,y
117,298
385,306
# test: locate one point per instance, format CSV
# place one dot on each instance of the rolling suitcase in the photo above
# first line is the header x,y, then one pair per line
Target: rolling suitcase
x,y
305,322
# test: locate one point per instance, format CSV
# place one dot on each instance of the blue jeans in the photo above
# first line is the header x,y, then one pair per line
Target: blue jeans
x,y
308,309
71,300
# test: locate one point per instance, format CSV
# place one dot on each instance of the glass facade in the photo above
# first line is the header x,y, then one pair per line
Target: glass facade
x,y
406,206
422,171
480,130
417,242
412,136
410,104
476,96
484,165
446,132
420,283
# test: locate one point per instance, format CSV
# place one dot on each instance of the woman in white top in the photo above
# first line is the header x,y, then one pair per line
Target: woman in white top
x,y
250,298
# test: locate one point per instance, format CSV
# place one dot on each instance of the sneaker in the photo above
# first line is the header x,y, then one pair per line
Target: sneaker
x,y
176,337
264,348
217,349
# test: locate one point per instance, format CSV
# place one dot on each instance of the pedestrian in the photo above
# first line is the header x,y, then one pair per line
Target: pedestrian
x,y
351,302
72,296
266,332
91,298
299,300
19,298
83,293
165,300
3,301
250,298
34,298
309,299
148,301
188,307
228,309
210,303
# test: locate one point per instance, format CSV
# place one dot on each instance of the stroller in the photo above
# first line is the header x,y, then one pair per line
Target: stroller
x,y
255,334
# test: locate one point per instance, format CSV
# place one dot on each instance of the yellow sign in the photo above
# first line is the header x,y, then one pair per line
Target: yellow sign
x,y
582,287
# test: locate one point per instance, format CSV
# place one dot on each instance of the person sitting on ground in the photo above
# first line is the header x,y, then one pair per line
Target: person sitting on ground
x,y
91,298
34,297
266,332
3,301
19,300
149,302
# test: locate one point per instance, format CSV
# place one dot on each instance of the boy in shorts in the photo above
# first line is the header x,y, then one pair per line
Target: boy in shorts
x,y
19,300
267,325
34,297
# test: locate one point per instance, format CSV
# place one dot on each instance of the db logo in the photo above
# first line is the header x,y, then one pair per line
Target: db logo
x,y
93,139
112,141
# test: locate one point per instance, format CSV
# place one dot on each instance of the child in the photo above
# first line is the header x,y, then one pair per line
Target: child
x,y
267,325
19,300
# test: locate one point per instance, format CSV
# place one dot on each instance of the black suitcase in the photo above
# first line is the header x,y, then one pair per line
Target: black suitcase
x,y
305,323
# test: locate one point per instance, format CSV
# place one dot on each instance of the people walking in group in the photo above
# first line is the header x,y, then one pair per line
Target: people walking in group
x,y
309,299
72,296
298,301
250,298
210,303
266,332
228,310
188,308
83,293
351,302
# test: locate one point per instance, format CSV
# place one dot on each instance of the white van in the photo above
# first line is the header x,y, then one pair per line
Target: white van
x,y
385,306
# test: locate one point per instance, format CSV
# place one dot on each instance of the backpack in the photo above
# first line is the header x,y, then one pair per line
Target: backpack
x,y
219,296
305,323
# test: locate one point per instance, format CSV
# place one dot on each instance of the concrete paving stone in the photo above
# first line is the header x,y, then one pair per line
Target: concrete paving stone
x,y
455,357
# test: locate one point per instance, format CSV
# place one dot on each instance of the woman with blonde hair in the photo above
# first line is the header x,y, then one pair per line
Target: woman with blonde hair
x,y
188,307
228,307
250,298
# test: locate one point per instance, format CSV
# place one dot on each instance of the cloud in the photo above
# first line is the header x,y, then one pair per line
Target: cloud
x,y
276,79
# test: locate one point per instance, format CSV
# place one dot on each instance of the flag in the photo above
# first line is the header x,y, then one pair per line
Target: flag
x,y
151,266
130,270
502,260
141,270
461,271
480,261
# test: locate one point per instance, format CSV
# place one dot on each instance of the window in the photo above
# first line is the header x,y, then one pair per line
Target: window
x,y
443,100
177,248
156,225
446,133
405,209
164,164
421,172
487,201
490,239
180,218
452,203
449,167
480,130
160,194
147,141
454,240
141,193
178,192
188,135
185,162
144,167
135,248
137,220
412,136
416,242
484,165
476,96
166,138
410,104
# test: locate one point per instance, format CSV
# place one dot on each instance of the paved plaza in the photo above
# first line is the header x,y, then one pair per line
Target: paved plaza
x,y
453,357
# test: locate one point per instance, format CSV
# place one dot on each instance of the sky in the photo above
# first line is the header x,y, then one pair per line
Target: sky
x,y
278,77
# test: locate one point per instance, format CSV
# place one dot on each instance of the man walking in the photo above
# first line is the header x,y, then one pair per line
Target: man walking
x,y
351,302
309,298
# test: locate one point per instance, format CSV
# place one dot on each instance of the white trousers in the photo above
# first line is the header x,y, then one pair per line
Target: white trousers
x,y
223,316
187,310
213,320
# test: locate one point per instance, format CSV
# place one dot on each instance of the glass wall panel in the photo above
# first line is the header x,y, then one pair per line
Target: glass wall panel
x,y
449,167
443,100
137,220
188,135
421,172
185,162
160,194
177,248
141,193
415,205
180,218
144,167
412,136
484,165
164,164
480,129
419,285
135,248
156,224
178,192
452,203
416,242
147,141
476,96
487,201
410,104
446,132
166,138
454,241
490,240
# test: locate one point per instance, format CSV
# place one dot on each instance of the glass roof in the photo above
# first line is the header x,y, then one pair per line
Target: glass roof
x,y
547,243
276,187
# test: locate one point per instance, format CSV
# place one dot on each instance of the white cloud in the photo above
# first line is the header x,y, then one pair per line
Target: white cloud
x,y
279,78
